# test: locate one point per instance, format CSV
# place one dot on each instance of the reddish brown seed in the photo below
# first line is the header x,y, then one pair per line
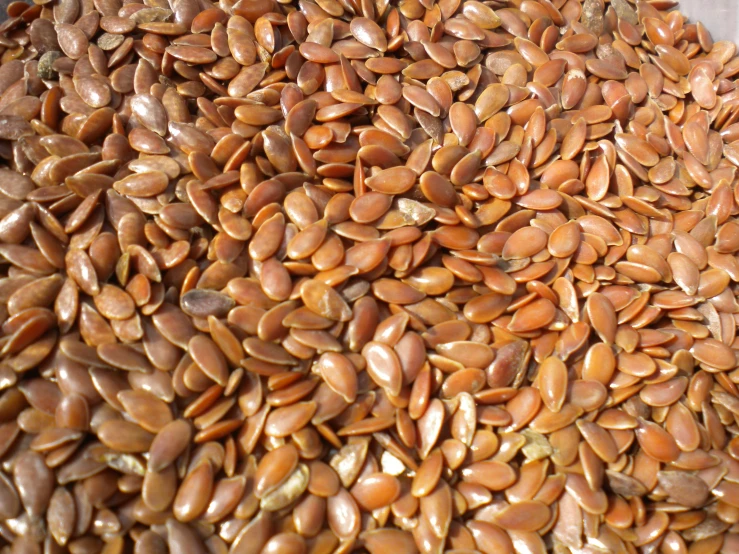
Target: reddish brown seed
x,y
602,316
124,436
343,515
491,475
553,383
34,482
383,366
528,515
169,443
524,243
194,493
274,468
324,301
285,421
340,374
368,33
147,410
564,240
489,537
206,354
714,353
376,491
428,474
659,444
380,540
392,181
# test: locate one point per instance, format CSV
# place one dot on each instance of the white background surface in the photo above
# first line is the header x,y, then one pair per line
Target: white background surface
x,y
721,17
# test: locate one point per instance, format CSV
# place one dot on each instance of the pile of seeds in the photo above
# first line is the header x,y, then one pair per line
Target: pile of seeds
x,y
340,275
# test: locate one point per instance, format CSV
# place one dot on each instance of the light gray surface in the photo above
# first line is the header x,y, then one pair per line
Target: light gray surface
x,y
721,17
3,7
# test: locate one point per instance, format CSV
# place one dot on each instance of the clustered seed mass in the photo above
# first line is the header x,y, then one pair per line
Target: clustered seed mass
x,y
332,276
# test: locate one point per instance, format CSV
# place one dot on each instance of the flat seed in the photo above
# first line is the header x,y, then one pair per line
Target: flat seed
x,y
34,483
376,491
285,421
124,436
194,492
113,303
340,374
529,515
383,366
491,475
169,443
553,383
274,468
210,359
147,410
533,316
395,180
368,33
144,184
686,489
324,301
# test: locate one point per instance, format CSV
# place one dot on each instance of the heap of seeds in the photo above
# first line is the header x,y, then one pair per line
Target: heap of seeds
x,y
364,276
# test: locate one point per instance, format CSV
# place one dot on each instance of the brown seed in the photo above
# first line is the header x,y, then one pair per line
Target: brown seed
x,y
533,316
599,440
34,482
396,180
340,374
686,489
491,475
489,537
564,240
428,474
324,301
194,493
602,317
715,353
524,243
343,515
380,540
206,354
368,33
528,515
72,40
274,468
383,366
376,491
491,101
287,420
61,515
169,443
553,383
656,441
124,436
146,409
